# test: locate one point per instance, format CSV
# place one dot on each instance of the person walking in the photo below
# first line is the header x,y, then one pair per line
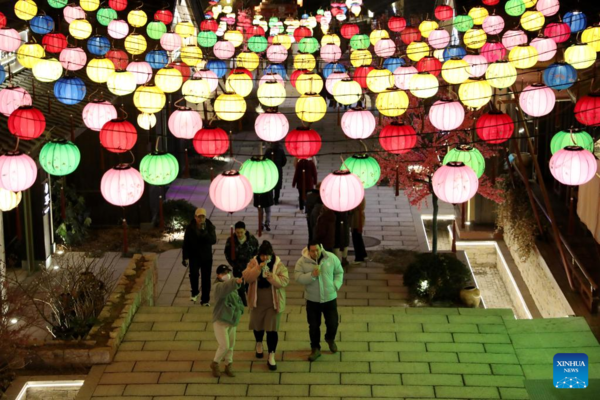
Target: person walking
x,y
263,202
226,317
277,155
342,237
313,198
245,246
357,223
305,179
197,254
324,231
267,277
322,275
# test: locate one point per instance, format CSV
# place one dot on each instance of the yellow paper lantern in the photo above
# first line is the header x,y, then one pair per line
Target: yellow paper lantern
x,y
149,99
379,80
479,14
309,82
29,54
501,74
347,91
475,93
417,50
121,83
137,18
580,56
230,106
475,38
282,39
25,9
196,90
9,200
248,60
428,26
168,79
89,5
423,85
135,44
47,70
591,36
191,55
311,107
236,38
305,61
532,20
358,58
455,71
378,34
80,29
99,69
271,93
331,38
185,29
523,56
239,83
392,102
529,3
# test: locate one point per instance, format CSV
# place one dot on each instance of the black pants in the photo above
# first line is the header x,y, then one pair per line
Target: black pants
x,y
313,316
300,199
359,246
277,193
272,339
196,268
310,228
237,273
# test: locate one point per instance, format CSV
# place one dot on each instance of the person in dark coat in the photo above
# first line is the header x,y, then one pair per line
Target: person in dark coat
x,y
264,201
313,197
325,229
245,246
305,179
199,237
277,155
342,237
357,223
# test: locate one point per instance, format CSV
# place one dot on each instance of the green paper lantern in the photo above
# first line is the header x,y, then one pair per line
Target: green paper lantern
x,y
575,137
515,8
58,3
258,44
365,167
207,39
159,168
463,23
308,45
59,157
273,21
360,42
468,155
261,172
156,29
105,15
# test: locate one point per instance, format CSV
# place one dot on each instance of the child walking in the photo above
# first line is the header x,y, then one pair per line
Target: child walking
x,y
226,317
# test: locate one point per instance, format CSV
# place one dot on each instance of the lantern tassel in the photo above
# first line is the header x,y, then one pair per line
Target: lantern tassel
x,y
232,243
186,172
230,144
161,214
397,180
63,208
259,221
303,185
125,241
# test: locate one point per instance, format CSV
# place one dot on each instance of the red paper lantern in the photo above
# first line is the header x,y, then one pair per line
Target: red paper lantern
x,y
18,171
493,51
447,115
342,191
13,97
454,183
211,141
295,75
410,34
231,191
118,135
494,127
558,31
98,112
254,30
184,123
573,166
27,123
360,75
240,70
397,138
429,64
119,58
122,185
117,5
206,25
490,2
587,109
303,142
444,13
301,32
54,42
182,67
396,24
2,20
349,30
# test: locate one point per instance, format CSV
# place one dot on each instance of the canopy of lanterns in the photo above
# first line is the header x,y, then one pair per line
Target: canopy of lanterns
x,y
472,52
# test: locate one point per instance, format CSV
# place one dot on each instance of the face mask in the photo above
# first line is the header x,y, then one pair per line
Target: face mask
x,y
225,278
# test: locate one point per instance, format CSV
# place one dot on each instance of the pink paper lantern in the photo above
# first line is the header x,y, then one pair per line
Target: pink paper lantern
x,y
342,191
122,185
73,12
455,183
271,126
385,48
171,41
271,77
331,53
18,171
513,38
493,51
141,70
73,58
211,78
446,115
402,76
13,97
439,38
545,47
493,24
573,166
358,123
96,113
184,123
9,40
231,191
223,50
118,29
537,100
277,53
334,78
547,7
478,64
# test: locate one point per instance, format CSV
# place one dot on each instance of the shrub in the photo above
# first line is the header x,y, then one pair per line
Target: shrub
x,y
177,215
436,276
73,229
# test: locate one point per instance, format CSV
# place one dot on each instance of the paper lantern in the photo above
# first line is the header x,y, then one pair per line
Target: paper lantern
x,y
305,61
309,82
330,53
385,48
230,191
366,168
576,20
311,107
141,70
26,123
257,44
157,59
59,157
25,9
171,41
560,76
271,126
57,3
345,90
230,106
52,42
417,50
146,121
475,93
410,34
235,37
105,15
149,99
9,40
573,166
587,109
454,183
122,185
379,79
2,20
80,29
349,30
117,5
271,77
47,69
98,112
574,137
99,69
29,54
184,123
427,26
396,24
168,79
475,38
342,191
397,138
261,172
211,141
580,55
330,38
159,168
454,52
137,18
493,51
360,75
98,45
248,60
18,171
478,14
308,45
392,63
523,56
224,50
446,115
156,29
537,100
423,85
403,75
13,97
41,24
559,32
118,135
444,12
377,34
493,24
439,38
545,47
9,200
276,53
118,29
121,83
477,65
513,38
303,143
501,74
494,127
456,71
272,94
548,7
183,69
591,36
119,58
73,58
392,102
463,23
239,83
358,123
360,58
514,8
69,90
185,29
210,76
532,21
360,42
166,17
196,90
469,156
218,67
135,44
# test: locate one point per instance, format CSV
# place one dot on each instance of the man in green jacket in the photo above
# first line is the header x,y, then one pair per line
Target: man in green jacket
x,y
322,275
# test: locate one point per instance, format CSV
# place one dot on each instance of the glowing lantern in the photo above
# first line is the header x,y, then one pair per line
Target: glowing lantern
x,y
118,135
184,123
257,44
157,59
427,26
196,90
183,69
417,50
513,38
501,74
137,18
52,42
397,138
455,183
392,102
342,191
117,5
73,58
347,91
135,44
230,191
392,63
463,23
439,39
330,53
444,12
159,168
271,126
69,90
185,29
403,75
514,8
587,109
423,85
121,83
122,185
379,80
532,21
119,58
80,29
146,121
591,36
349,30
156,30
333,78
455,71
493,24
224,50
360,42
248,60
170,41
99,69
475,38
475,93
168,79
301,33
305,61
548,7
141,70
537,100
29,54
230,106
385,48
13,97
454,52
494,127
467,155
311,107
378,34
236,38
40,24
149,99
73,12
57,3
211,142
272,93
261,172
560,76
523,56
240,83
545,47
47,70
25,9
9,200
410,34
271,77
98,112
477,65
210,76
558,31
359,58
576,20
397,24
478,14
580,56
218,67
283,40
446,115
98,45
118,29
18,171
303,143
575,137
573,166
366,168
26,123
105,15
358,123
308,45
166,17
493,51
59,157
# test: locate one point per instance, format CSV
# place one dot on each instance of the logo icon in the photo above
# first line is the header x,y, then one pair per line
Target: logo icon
x,y
570,371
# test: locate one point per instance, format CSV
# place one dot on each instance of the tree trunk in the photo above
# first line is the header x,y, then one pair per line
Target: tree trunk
x,y
434,224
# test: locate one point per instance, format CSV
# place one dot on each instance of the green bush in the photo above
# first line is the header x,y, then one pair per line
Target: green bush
x,y
73,229
177,215
436,276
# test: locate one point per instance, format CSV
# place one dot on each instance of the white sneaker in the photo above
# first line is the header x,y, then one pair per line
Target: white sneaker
x,y
194,299
205,304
